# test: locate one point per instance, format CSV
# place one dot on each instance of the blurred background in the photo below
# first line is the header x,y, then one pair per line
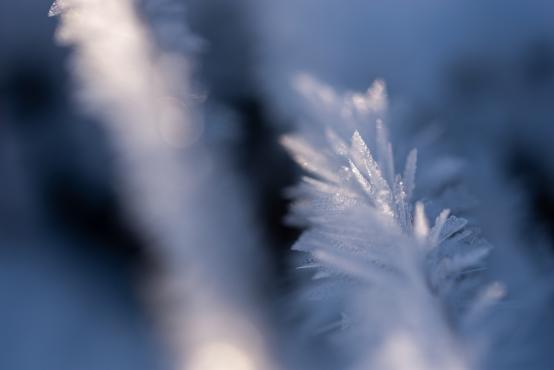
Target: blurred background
x,y
478,75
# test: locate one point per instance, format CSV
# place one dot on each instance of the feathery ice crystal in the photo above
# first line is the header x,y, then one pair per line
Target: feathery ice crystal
x,y
397,292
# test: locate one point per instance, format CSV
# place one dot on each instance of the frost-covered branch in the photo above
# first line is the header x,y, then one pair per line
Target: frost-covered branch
x,y
130,59
392,289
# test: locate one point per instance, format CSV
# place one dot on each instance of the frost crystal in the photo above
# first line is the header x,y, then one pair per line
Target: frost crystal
x,y
377,259
57,8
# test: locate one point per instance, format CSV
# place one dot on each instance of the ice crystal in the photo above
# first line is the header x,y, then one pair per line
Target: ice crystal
x,y
56,8
378,259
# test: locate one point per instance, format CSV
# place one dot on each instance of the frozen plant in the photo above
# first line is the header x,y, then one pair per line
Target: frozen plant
x,y
390,290
131,61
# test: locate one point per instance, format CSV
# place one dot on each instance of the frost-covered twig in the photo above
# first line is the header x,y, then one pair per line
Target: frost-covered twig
x,y
393,290
130,59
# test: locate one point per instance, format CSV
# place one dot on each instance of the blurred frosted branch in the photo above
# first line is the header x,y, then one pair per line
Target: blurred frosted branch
x,y
130,61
